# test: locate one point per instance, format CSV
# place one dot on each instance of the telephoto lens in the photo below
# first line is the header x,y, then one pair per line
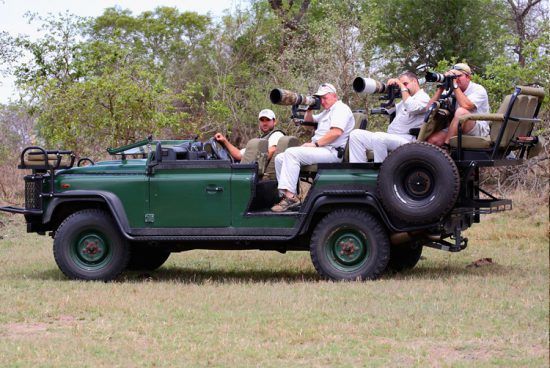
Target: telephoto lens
x,y
284,97
434,77
368,86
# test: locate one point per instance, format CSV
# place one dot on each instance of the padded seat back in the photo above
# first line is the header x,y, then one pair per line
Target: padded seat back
x,y
361,122
525,106
515,118
438,119
283,143
256,151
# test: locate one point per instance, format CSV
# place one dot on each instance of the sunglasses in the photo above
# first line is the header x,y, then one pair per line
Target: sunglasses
x,y
460,69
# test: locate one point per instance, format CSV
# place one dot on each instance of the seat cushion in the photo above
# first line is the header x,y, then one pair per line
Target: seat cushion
x,y
472,142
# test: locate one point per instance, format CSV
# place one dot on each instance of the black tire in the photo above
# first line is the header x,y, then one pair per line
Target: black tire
x,y
146,258
404,256
418,183
349,244
87,246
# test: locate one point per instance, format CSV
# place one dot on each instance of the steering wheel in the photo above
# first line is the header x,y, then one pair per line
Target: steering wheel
x,y
219,152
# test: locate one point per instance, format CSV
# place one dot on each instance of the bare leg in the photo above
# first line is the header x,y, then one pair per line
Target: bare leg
x,y
453,128
437,138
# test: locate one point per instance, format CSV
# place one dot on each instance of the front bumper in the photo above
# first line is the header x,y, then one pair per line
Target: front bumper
x,y
22,211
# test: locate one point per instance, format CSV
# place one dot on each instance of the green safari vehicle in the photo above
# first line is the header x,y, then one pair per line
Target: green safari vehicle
x,y
156,197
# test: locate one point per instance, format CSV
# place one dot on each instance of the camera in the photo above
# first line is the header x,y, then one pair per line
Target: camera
x,y
284,97
371,86
300,104
435,77
368,86
445,80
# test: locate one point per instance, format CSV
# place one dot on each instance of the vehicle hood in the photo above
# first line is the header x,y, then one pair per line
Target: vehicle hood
x,y
108,167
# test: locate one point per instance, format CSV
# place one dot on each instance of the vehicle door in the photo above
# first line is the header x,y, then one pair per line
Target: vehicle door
x,y
190,193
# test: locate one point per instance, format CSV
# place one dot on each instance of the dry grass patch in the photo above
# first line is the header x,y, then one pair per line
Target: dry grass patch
x,y
252,308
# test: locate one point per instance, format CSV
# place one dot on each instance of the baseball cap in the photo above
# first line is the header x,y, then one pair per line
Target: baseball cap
x,y
324,89
266,113
463,67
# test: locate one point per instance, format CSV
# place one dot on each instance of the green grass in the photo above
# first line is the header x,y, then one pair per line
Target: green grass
x,y
252,308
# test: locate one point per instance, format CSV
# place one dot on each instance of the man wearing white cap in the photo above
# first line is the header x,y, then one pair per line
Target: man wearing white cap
x,y
266,121
470,98
334,124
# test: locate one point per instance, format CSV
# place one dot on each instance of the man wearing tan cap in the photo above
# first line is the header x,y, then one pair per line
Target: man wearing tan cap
x,y
266,123
334,124
470,98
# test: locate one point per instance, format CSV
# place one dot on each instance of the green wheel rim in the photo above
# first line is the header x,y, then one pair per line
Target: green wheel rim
x,y
90,251
347,249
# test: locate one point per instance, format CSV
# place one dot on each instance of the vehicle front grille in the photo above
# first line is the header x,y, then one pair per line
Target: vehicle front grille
x,y
33,189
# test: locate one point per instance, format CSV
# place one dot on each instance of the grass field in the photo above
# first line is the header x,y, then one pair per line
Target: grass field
x,y
252,308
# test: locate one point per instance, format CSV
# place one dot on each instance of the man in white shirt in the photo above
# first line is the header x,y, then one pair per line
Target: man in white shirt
x,y
409,113
334,124
470,98
267,122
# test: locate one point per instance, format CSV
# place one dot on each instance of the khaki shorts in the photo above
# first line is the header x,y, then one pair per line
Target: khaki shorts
x,y
481,129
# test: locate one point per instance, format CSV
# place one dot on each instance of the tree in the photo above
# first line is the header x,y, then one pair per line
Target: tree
x,y
415,33
524,16
110,77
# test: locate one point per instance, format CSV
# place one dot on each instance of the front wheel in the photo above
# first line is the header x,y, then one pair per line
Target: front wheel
x,y
87,246
349,244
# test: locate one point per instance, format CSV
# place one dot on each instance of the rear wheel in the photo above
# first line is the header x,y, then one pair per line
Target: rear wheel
x,y
404,256
349,244
87,246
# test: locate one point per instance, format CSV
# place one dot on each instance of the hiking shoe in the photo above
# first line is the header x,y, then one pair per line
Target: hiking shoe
x,y
286,204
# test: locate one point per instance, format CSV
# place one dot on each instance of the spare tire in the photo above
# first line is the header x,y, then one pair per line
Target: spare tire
x,y
418,183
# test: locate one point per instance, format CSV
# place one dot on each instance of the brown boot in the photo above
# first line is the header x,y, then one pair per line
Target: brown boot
x,y
286,204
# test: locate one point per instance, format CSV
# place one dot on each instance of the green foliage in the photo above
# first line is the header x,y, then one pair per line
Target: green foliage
x,y
114,109
503,74
424,32
120,76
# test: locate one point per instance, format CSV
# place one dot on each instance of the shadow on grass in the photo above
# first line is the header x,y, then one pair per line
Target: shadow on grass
x,y
202,276
195,276
435,271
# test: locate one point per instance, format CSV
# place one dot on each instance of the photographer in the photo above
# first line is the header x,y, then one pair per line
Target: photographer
x,y
266,123
409,113
470,98
334,125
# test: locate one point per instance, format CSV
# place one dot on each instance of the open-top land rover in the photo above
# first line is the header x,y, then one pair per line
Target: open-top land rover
x,y
157,197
